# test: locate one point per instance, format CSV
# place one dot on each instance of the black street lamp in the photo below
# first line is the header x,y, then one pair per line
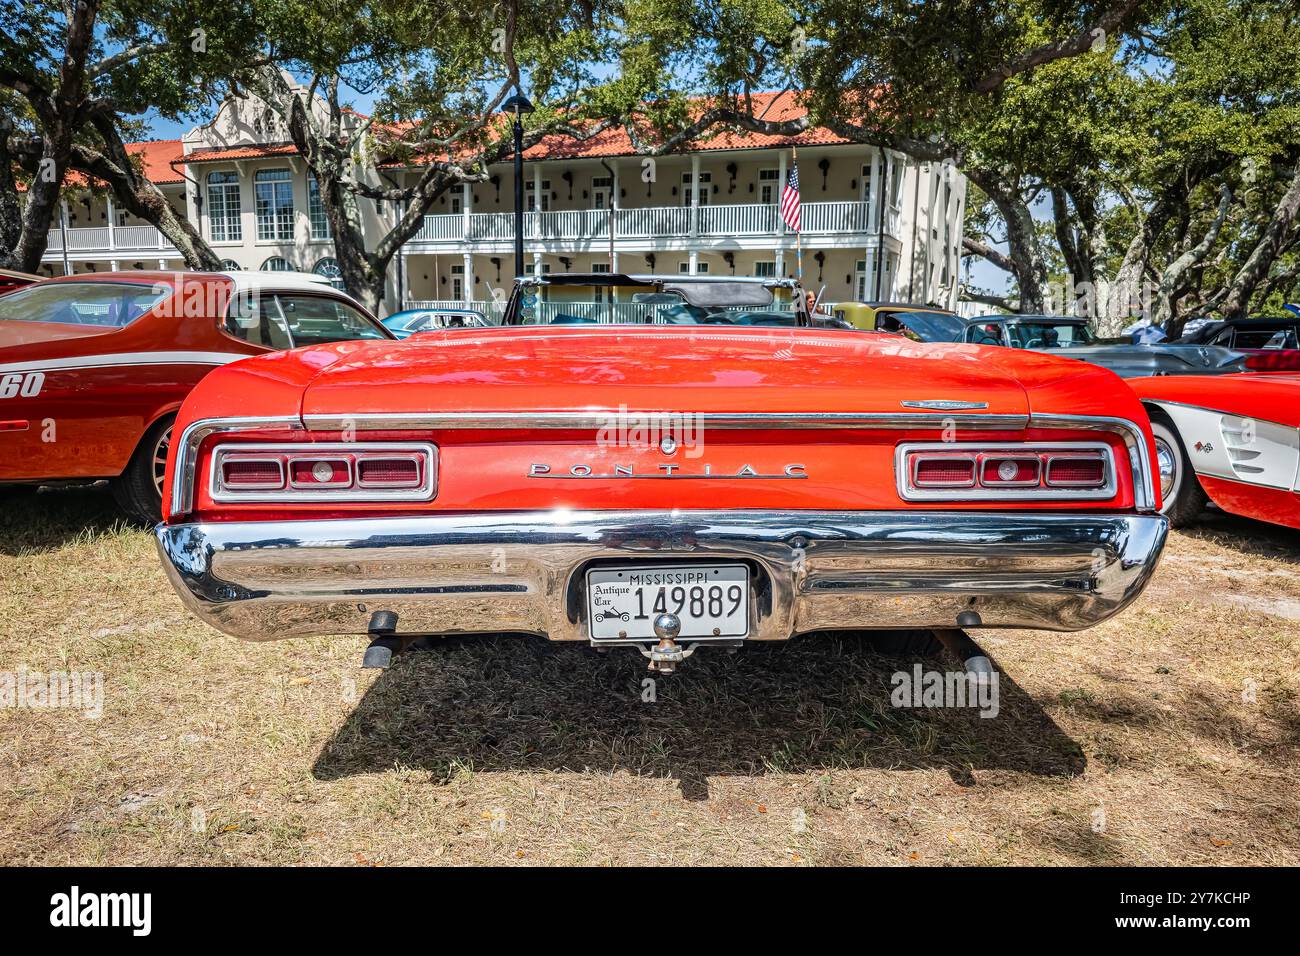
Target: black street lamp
x,y
519,103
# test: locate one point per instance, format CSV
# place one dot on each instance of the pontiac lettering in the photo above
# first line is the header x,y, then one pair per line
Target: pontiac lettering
x,y
667,470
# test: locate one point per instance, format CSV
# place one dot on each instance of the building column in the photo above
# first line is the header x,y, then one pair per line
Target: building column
x,y
404,292
873,193
779,258
695,197
781,173
613,215
162,265
537,263
112,222
467,204
694,261
468,261
112,265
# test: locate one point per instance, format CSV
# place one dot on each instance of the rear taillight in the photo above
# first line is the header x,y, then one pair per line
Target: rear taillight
x,y
332,471
937,472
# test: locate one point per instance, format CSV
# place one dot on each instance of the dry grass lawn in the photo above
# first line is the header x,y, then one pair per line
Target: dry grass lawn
x,y
1170,735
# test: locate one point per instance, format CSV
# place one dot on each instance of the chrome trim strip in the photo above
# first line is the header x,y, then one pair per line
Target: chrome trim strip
x,y
603,418
187,450
1139,456
1217,411
904,479
523,571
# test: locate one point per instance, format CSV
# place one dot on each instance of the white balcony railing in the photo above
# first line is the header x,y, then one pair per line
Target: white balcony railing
x,y
103,239
818,218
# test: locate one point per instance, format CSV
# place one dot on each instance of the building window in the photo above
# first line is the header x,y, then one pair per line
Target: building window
x,y
458,283
765,270
230,265
320,223
274,192
223,208
276,264
602,188
702,191
546,197
684,268
769,186
329,268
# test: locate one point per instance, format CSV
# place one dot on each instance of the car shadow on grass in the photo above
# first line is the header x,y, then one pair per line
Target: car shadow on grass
x,y
32,521
512,703
1259,538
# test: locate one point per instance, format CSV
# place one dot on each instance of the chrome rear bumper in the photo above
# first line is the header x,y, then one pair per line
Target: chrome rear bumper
x,y
455,574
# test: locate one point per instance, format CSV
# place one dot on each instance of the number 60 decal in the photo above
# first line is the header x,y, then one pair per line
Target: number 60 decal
x,y
21,384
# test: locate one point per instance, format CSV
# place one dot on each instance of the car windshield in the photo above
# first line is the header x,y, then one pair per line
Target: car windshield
x,y
922,326
111,305
662,302
1265,339
1048,335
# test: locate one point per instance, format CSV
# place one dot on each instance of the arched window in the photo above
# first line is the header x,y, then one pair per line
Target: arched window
x,y
329,268
230,265
276,264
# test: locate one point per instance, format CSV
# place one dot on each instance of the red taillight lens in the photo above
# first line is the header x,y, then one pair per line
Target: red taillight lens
x,y
335,471
305,472
382,472
1076,471
252,473
996,472
944,472
969,472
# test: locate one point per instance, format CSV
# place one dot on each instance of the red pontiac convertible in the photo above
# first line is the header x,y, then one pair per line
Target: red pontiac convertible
x,y
1231,439
94,367
666,462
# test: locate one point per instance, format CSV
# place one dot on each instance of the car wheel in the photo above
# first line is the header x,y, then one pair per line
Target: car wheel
x,y
1183,497
138,490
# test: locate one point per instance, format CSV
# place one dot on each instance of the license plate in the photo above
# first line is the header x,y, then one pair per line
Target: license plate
x,y
710,600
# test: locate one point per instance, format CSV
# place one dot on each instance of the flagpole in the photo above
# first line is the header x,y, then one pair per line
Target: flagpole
x,y
798,233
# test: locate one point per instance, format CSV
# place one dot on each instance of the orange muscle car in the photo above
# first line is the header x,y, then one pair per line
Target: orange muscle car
x,y
658,461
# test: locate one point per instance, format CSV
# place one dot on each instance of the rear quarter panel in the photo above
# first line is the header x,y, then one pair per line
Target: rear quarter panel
x,y
100,393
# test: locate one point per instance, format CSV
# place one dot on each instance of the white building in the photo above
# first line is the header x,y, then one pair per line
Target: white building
x,y
876,225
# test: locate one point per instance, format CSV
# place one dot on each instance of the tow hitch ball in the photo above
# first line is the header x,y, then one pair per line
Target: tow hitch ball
x,y
667,654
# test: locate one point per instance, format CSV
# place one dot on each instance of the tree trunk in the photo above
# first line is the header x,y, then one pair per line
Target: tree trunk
x,y
1123,302
42,203
1171,284
1256,267
11,215
1025,252
142,198
57,115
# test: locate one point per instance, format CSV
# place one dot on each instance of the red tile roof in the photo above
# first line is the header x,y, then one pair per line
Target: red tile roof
x,y
156,157
163,158
212,155
772,107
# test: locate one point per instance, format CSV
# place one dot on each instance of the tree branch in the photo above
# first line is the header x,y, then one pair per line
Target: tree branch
x,y
1080,42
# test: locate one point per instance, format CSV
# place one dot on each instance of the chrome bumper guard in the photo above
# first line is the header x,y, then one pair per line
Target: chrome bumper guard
x,y
524,572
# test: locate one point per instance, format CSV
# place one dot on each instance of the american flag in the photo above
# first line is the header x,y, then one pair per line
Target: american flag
x,y
790,199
